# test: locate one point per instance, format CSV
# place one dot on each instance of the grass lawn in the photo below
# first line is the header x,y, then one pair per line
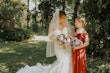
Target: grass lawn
x,y
14,55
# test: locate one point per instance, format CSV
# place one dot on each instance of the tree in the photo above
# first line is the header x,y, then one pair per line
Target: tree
x,y
11,12
98,17
77,3
28,14
47,8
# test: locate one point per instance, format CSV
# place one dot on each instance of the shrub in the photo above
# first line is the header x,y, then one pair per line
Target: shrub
x,y
27,33
1,37
17,34
13,35
98,18
35,27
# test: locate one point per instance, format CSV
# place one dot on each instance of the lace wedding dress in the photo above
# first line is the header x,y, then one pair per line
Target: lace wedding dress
x,y
61,65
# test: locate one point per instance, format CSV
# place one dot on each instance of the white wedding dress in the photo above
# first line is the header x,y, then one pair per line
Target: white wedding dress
x,y
61,65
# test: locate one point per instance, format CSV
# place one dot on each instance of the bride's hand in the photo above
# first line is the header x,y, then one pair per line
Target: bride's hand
x,y
51,39
63,45
70,35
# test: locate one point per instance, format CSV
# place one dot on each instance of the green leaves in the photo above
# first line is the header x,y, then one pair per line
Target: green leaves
x,y
97,16
11,12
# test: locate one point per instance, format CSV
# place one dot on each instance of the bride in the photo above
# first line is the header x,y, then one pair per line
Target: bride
x,y
56,46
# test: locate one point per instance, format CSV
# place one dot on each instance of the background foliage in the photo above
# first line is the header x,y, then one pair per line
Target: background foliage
x,y
98,18
19,23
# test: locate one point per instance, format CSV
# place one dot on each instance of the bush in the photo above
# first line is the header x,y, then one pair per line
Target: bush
x,y
1,37
17,34
27,33
35,27
98,18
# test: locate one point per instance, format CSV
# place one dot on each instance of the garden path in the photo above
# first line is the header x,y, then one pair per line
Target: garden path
x,y
40,38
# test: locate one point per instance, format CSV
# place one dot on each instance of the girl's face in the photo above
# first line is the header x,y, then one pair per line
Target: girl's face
x,y
62,19
78,24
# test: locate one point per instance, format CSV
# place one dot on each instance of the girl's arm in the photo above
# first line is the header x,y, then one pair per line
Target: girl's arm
x,y
86,43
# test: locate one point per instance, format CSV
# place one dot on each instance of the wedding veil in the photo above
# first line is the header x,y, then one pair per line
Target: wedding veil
x,y
54,25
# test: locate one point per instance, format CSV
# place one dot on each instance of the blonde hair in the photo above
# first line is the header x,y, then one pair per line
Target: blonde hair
x,y
82,20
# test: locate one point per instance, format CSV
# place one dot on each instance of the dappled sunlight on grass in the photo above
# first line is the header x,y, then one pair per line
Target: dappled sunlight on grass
x,y
15,55
33,42
6,50
3,68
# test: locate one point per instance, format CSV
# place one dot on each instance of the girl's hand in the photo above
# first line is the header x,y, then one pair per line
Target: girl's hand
x,y
75,48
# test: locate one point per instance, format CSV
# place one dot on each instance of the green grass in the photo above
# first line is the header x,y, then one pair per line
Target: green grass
x,y
15,55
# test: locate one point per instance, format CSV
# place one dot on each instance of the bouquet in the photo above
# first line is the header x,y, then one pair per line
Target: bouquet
x,y
63,39
75,42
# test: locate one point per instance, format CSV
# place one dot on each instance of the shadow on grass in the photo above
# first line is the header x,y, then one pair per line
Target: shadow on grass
x,y
13,56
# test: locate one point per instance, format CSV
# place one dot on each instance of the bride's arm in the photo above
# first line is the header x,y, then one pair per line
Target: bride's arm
x,y
70,35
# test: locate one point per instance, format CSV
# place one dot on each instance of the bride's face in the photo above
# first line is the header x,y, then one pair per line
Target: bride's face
x,y
62,19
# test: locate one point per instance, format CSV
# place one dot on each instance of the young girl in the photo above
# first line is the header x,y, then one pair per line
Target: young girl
x,y
79,50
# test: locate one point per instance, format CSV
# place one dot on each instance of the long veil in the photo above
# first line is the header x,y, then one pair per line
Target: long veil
x,y
54,24
52,27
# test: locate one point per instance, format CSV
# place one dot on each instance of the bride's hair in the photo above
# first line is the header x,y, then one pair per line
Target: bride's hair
x,y
62,13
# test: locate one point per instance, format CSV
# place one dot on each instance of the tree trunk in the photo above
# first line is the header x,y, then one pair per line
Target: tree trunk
x,y
63,5
28,15
76,9
35,12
